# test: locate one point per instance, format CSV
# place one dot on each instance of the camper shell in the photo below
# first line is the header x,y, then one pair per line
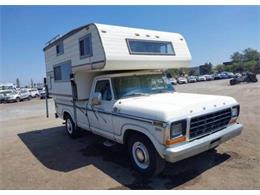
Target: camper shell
x,y
109,50
110,80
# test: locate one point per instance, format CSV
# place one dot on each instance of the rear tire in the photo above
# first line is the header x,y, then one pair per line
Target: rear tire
x,y
17,99
143,156
71,128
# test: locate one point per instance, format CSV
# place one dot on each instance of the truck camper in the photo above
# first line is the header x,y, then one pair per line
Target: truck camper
x,y
110,80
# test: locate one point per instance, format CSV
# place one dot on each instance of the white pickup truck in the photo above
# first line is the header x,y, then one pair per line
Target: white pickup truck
x,y
157,123
106,79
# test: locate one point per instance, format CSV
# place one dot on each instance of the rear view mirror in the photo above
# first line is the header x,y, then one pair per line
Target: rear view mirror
x,y
96,99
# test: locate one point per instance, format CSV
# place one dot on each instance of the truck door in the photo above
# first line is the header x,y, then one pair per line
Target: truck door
x,y
100,116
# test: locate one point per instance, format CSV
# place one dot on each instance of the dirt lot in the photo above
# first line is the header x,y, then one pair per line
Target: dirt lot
x,y
37,154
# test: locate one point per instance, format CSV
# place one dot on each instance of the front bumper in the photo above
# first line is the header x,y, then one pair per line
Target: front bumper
x,y
179,152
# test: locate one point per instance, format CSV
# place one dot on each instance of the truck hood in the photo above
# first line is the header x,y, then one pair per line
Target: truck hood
x,y
172,106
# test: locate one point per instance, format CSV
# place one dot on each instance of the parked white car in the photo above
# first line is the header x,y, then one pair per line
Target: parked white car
x,y
192,79
34,92
208,77
202,78
17,96
182,80
171,79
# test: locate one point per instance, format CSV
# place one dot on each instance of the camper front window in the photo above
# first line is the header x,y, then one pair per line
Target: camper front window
x,y
85,46
147,47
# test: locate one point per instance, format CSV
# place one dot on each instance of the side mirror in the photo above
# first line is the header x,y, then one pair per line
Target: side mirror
x,y
96,99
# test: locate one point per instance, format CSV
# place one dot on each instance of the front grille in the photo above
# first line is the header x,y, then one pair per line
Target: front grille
x,y
209,123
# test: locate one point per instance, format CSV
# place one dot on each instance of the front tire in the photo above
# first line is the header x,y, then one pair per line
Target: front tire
x,y
71,128
143,156
17,99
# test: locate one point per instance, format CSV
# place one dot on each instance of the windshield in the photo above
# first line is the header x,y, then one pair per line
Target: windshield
x,y
136,85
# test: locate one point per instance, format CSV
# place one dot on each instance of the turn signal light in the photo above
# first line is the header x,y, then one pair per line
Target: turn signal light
x,y
176,140
233,120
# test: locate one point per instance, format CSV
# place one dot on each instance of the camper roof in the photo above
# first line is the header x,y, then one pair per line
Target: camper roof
x,y
123,48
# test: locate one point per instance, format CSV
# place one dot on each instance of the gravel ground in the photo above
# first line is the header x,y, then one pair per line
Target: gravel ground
x,y
35,152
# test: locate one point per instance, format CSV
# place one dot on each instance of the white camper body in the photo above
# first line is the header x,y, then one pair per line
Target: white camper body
x,y
109,51
106,79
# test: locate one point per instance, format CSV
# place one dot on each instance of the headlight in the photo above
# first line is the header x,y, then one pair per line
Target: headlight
x,y
178,128
235,111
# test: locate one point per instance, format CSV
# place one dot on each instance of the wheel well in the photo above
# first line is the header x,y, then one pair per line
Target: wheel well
x,y
65,115
129,132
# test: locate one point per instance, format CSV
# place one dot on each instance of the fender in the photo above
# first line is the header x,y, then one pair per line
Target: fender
x,y
68,110
133,127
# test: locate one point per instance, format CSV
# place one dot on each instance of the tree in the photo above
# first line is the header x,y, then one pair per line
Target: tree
x,y
206,68
219,67
237,57
251,54
17,83
192,71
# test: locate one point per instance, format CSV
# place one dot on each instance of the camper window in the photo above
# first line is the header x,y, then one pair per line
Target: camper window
x,y
85,46
149,47
59,49
62,72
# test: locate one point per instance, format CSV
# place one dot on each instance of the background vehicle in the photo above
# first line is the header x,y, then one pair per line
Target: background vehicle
x,y
3,95
192,79
42,93
182,80
230,74
34,92
201,78
208,77
245,77
217,76
224,75
25,94
171,79
12,96
17,96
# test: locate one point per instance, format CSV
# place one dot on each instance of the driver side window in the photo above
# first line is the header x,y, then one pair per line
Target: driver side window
x,y
104,88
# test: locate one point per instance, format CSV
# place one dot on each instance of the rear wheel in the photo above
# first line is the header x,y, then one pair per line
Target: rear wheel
x,y
71,128
29,98
144,157
17,99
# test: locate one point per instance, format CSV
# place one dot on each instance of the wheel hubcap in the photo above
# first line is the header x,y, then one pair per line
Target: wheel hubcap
x,y
140,155
69,126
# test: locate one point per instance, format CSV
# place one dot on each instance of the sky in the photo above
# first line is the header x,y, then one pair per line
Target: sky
x,y
213,33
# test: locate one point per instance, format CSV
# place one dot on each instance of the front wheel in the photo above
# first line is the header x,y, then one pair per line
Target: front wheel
x,y
17,99
71,128
144,157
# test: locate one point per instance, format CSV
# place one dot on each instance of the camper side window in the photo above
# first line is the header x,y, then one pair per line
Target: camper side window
x,y
85,46
62,72
59,49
